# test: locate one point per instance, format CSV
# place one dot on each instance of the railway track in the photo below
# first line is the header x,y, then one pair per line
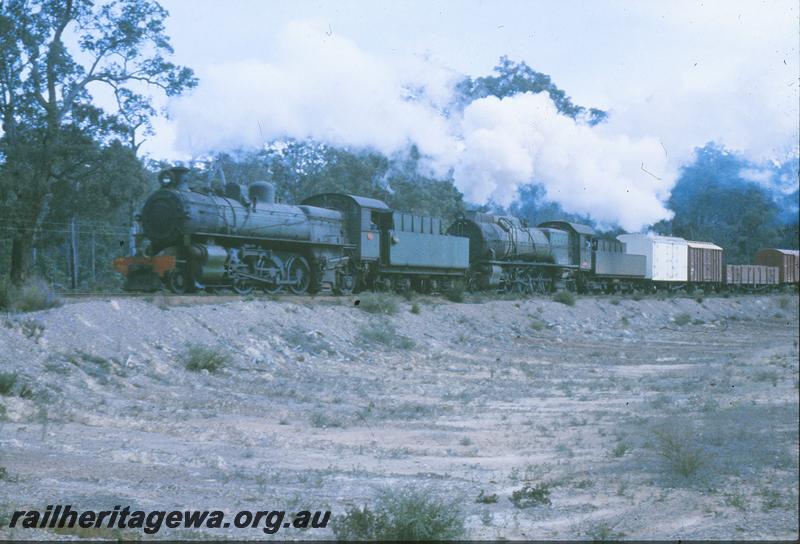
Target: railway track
x,y
173,299
195,298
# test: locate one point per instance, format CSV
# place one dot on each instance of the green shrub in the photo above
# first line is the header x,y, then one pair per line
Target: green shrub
x,y
486,499
604,533
683,319
415,308
620,449
637,296
615,301
403,515
384,333
321,420
537,324
7,381
528,496
33,296
198,357
783,302
456,294
679,452
565,297
378,303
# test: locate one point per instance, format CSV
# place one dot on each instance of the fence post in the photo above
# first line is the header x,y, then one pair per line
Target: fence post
x,y
94,262
74,253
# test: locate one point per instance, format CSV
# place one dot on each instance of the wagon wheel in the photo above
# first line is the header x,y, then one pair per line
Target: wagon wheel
x,y
178,281
402,285
265,266
299,273
381,283
345,283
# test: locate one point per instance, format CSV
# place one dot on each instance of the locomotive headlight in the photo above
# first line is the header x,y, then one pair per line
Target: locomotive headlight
x,y
165,179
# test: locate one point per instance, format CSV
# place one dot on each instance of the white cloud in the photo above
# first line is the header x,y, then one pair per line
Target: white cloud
x,y
508,142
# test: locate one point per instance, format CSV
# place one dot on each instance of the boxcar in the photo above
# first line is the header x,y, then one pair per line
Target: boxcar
x,y
666,257
787,261
705,262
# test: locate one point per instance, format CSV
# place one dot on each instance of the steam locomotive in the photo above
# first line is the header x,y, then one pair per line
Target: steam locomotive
x,y
239,237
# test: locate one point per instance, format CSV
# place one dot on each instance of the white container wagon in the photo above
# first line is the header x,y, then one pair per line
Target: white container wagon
x,y
667,257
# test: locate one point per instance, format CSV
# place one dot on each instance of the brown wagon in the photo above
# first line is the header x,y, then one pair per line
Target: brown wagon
x,y
705,262
787,261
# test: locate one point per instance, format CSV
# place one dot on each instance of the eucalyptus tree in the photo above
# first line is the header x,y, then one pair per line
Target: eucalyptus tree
x,y
54,55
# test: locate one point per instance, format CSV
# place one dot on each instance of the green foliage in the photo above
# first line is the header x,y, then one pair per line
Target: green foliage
x,y
620,449
456,294
7,381
384,333
512,78
679,451
378,303
403,515
322,420
197,357
486,499
537,324
33,296
565,297
712,201
683,319
604,533
528,496
302,168
415,309
56,142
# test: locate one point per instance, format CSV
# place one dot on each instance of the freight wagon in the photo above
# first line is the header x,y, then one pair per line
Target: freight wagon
x,y
666,257
704,264
786,260
750,277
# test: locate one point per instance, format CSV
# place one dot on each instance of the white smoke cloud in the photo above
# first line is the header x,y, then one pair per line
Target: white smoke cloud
x,y
508,142
324,87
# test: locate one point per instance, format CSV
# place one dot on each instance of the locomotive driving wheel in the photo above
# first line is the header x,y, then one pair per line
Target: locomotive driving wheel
x,y
299,274
270,267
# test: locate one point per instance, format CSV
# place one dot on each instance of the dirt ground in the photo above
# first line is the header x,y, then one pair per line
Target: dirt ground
x,y
668,419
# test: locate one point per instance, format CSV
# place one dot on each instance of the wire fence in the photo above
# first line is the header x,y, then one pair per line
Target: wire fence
x,y
71,255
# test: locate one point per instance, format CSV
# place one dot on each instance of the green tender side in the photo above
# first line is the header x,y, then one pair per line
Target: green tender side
x,y
428,250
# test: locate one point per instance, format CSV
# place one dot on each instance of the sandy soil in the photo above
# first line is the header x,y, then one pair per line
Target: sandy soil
x,y
323,404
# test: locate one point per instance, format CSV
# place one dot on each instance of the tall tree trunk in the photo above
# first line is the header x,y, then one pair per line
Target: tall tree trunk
x,y
20,258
